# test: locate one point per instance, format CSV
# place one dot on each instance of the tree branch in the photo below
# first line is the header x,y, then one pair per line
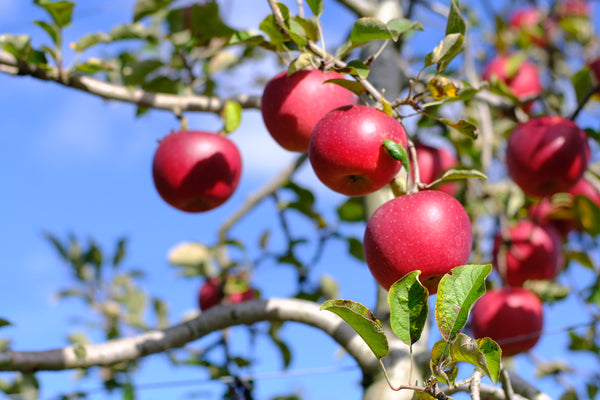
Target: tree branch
x,y
9,64
359,7
215,319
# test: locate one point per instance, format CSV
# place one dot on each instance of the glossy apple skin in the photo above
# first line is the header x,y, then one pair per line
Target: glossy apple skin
x,y
506,314
292,105
433,162
560,217
210,294
196,171
428,230
547,155
531,252
346,152
524,84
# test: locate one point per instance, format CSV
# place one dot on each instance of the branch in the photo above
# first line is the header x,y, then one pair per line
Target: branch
x,y
359,7
9,64
215,319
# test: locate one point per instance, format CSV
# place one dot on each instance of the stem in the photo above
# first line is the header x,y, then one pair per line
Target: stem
x,y
506,384
594,89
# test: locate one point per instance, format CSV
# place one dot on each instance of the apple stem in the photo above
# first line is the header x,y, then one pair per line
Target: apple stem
x,y
416,179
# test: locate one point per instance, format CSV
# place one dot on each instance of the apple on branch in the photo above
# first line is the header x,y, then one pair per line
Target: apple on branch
x,y
433,162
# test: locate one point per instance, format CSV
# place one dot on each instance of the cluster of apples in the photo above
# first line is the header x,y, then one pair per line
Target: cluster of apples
x,y
215,291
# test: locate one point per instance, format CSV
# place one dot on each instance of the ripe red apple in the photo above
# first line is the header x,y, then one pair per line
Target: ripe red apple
x,y
523,80
511,316
561,216
239,297
292,105
529,21
346,151
210,293
195,170
547,155
573,8
429,231
528,252
433,162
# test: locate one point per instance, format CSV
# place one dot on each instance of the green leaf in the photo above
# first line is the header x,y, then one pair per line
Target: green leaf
x,y
301,62
90,40
456,22
398,152
358,68
52,30
310,27
466,349
130,31
455,174
4,322
457,292
467,128
368,28
548,291
144,8
316,6
356,248
17,45
364,323
444,52
439,356
582,82
352,210
137,72
161,309
60,11
93,65
120,252
408,301
232,115
588,214
355,87
286,354
400,26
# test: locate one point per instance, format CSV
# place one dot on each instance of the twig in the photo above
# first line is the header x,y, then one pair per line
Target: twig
x,y
475,385
506,384
9,64
594,89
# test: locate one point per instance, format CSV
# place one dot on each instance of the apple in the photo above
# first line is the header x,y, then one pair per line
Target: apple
x,y
239,297
210,293
512,316
346,152
523,79
547,155
428,231
573,8
528,251
560,216
529,21
292,105
433,162
196,171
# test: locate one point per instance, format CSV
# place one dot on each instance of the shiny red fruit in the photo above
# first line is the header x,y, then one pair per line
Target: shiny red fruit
x,y
196,171
240,297
522,80
292,105
547,155
511,316
210,294
528,252
428,231
346,151
433,162
529,20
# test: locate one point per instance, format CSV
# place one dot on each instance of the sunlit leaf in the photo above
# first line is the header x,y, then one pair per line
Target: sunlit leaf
x,y
466,349
456,22
232,115
316,6
409,307
398,152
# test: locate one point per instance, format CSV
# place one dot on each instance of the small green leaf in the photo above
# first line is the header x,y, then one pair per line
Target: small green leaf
x,y
316,6
232,115
455,174
548,291
467,128
466,349
456,22
398,152
120,252
356,248
92,66
90,40
130,31
444,52
352,210
368,28
364,323
60,11
17,45
356,68
457,292
303,61
4,322
588,214
52,30
582,82
400,26
161,309
144,8
355,87
408,301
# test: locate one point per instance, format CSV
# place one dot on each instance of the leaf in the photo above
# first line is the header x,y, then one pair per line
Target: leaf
x,y
456,22
286,354
130,31
90,40
161,309
352,210
467,128
4,322
466,349
548,291
17,45
363,321
301,62
408,301
189,254
93,65
60,11
356,68
355,87
588,214
316,6
356,248
232,115
442,87
52,30
444,52
400,26
457,292
144,8
120,252
368,28
398,152
455,174
582,82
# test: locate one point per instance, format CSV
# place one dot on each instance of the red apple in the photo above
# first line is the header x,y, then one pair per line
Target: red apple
x,y
433,162
346,150
195,170
523,79
528,252
428,231
292,105
529,21
210,294
239,297
561,216
511,316
573,8
547,155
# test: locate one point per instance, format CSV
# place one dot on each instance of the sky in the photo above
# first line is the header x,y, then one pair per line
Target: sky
x,y
73,163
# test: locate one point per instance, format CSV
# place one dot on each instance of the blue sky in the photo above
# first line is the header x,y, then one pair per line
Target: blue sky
x,y
74,163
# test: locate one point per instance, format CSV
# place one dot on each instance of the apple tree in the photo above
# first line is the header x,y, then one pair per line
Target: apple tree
x,y
466,158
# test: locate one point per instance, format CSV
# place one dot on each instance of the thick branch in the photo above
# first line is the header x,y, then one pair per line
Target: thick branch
x,y
175,103
215,319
